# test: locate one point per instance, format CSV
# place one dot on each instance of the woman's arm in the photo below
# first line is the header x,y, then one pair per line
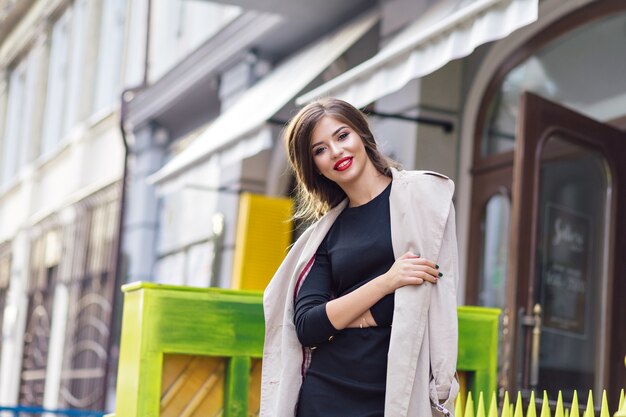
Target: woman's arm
x,y
352,309
310,319
318,316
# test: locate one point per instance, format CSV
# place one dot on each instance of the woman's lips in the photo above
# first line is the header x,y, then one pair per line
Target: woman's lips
x,y
343,164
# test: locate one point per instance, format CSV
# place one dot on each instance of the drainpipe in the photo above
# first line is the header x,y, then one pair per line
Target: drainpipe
x,y
117,263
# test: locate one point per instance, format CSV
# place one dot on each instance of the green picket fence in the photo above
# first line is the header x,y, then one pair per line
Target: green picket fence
x,y
508,409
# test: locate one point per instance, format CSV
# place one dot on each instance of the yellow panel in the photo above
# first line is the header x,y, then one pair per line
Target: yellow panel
x,y
463,388
193,386
173,367
254,390
208,401
264,230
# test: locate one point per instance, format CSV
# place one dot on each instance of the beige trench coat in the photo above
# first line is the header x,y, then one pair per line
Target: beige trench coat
x,y
423,347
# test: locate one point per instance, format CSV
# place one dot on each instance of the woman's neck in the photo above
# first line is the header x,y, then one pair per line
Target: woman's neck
x,y
364,191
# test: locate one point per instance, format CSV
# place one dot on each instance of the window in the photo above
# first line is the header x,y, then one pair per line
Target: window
x,y
91,287
591,83
495,245
15,109
18,132
180,26
191,230
110,52
5,279
76,66
44,266
53,126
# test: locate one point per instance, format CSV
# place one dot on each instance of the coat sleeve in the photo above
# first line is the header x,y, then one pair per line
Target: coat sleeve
x,y
442,321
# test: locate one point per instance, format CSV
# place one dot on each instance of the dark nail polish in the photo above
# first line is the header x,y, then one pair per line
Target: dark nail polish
x,y
440,274
437,266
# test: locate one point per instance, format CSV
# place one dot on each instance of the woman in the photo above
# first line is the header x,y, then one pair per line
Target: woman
x,y
361,315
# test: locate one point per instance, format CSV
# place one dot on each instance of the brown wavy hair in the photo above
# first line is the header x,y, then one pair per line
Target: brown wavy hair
x,y
316,194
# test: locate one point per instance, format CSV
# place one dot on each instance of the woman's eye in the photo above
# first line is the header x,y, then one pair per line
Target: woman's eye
x,y
343,135
318,151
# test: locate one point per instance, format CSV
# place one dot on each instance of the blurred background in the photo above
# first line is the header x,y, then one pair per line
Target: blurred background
x,y
140,141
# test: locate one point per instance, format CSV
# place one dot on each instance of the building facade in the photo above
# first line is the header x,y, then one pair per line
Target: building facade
x,y
521,102
62,66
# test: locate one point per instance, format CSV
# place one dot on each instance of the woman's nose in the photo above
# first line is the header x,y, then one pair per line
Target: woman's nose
x,y
335,149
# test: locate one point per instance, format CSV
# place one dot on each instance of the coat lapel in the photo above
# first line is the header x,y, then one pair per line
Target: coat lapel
x,y
418,214
280,316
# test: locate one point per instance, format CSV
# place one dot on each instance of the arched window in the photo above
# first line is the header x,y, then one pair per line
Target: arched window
x,y
582,69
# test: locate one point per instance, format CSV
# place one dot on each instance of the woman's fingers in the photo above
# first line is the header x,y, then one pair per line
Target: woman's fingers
x,y
417,260
424,272
423,268
411,269
427,277
422,261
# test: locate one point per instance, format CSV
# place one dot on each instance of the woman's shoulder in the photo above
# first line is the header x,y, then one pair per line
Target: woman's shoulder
x,y
418,176
330,215
413,186
421,172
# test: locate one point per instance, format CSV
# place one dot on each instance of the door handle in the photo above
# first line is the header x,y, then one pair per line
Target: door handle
x,y
534,358
527,321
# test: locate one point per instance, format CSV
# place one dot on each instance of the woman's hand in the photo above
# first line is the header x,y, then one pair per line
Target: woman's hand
x,y
366,320
350,309
409,269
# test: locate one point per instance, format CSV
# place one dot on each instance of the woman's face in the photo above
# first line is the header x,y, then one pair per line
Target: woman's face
x,y
338,152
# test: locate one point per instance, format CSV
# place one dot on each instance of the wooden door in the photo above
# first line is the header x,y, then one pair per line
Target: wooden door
x,y
568,240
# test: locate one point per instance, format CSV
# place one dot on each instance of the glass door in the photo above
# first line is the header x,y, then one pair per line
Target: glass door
x,y
567,236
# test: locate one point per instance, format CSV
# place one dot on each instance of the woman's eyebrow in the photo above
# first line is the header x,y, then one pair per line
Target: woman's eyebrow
x,y
338,130
334,133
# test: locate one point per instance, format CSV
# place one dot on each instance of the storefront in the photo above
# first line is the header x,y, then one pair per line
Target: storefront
x,y
546,228
535,93
541,166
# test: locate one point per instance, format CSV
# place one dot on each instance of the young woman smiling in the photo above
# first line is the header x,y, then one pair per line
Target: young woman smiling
x,y
360,318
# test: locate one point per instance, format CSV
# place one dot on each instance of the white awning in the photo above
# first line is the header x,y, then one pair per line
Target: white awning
x,y
262,101
448,30
202,174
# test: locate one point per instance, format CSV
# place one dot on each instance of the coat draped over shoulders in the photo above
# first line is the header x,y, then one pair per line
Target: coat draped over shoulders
x,y
423,346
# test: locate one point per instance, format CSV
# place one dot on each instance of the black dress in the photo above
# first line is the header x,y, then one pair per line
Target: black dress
x,y
347,374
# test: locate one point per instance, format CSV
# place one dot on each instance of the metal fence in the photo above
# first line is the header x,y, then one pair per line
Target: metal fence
x,y
28,411
465,406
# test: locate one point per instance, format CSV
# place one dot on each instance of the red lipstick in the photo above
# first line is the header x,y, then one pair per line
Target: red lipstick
x,y
343,163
